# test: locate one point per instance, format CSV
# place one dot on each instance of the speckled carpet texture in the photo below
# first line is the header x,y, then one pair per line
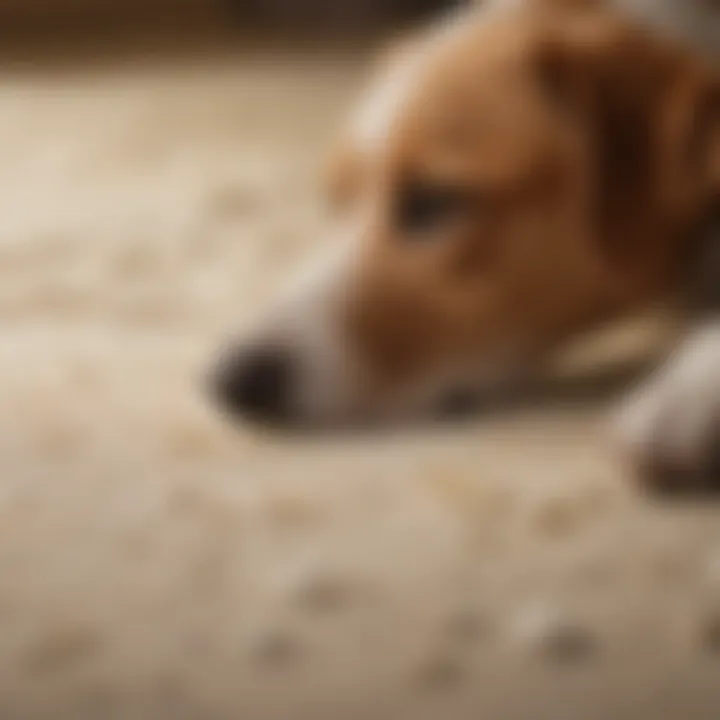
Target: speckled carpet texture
x,y
158,564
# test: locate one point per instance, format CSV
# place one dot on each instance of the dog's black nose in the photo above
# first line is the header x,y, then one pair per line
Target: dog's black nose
x,y
255,384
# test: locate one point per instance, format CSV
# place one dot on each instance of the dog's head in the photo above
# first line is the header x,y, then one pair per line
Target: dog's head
x,y
511,178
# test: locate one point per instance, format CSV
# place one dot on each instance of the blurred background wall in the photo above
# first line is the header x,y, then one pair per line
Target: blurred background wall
x,y
49,14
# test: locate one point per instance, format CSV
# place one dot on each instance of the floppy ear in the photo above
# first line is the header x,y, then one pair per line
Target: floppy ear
x,y
649,118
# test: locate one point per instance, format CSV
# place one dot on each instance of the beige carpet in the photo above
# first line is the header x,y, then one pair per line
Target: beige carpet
x,y
155,563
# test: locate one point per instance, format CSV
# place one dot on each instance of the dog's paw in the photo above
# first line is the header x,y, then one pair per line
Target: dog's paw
x,y
670,429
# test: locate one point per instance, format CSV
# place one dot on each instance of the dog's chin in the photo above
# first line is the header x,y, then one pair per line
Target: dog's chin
x,y
457,403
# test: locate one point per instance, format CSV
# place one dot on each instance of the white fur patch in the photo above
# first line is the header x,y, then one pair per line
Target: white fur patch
x,y
377,114
672,420
308,321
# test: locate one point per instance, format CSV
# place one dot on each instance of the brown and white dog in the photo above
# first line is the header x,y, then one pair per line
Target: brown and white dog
x,y
517,175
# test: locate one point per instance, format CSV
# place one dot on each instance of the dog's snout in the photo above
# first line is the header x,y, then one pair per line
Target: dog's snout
x,y
256,384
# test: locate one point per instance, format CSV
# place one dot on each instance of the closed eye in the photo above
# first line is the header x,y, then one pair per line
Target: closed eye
x,y
423,208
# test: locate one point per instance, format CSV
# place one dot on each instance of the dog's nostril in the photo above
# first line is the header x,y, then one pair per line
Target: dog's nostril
x,y
256,384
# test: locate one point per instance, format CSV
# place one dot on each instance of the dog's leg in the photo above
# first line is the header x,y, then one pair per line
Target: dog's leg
x,y
670,428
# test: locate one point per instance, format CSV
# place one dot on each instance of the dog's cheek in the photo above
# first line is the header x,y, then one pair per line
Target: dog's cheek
x,y
391,334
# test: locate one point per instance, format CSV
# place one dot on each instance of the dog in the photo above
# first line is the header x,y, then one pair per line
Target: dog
x,y
516,175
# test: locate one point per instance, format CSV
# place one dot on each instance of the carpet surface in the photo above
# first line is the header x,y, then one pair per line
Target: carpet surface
x,y
157,563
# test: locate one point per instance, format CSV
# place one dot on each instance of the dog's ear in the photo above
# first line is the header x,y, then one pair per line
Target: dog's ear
x,y
646,111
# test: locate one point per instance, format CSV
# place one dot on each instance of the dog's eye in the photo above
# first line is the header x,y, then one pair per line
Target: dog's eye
x,y
422,208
